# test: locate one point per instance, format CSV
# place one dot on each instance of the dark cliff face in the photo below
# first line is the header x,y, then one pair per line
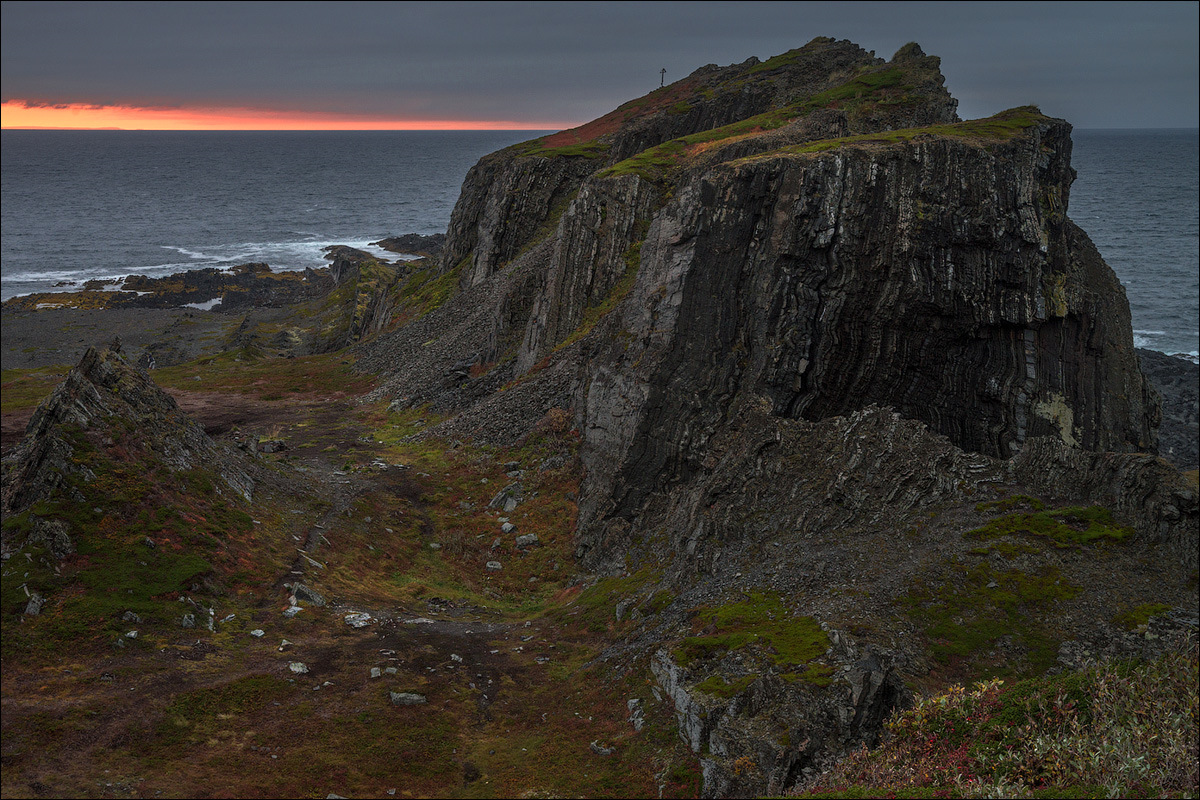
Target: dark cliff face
x,y
935,275
510,197
836,241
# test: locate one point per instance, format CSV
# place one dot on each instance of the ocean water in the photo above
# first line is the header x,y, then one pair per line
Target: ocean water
x,y
78,205
1138,197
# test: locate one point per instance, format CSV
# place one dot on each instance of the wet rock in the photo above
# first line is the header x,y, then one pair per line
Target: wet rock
x,y
414,244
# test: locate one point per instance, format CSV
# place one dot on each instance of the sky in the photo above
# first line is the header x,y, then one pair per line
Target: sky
x,y
549,66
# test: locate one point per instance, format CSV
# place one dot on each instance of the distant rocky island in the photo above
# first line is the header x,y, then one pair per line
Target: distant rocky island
x,y
714,434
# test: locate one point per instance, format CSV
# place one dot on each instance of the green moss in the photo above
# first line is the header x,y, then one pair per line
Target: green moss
x,y
717,686
536,148
427,289
658,602
596,606
1140,615
998,128
966,612
1065,527
761,621
868,83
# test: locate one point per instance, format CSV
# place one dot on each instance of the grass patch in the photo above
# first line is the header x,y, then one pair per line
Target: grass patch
x,y
1069,527
25,389
966,612
537,148
717,686
998,128
327,375
427,289
1140,615
760,622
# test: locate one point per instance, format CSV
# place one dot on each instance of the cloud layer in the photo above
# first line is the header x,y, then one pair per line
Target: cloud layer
x,y
552,64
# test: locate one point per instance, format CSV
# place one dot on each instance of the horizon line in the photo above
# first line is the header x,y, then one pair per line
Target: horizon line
x,y
271,130
24,115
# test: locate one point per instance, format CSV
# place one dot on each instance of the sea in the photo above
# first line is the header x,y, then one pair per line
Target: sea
x,y
82,205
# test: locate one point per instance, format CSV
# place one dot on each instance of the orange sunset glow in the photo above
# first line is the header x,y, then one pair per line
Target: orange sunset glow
x,y
19,114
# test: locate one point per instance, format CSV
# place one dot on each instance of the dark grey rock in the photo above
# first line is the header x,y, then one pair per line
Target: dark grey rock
x,y
1177,380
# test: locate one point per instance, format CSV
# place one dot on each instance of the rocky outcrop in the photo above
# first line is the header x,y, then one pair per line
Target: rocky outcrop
x,y
414,244
512,197
1178,382
737,738
360,303
1146,490
101,401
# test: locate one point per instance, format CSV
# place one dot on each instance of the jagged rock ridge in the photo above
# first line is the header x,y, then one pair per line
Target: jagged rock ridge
x,y
105,399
